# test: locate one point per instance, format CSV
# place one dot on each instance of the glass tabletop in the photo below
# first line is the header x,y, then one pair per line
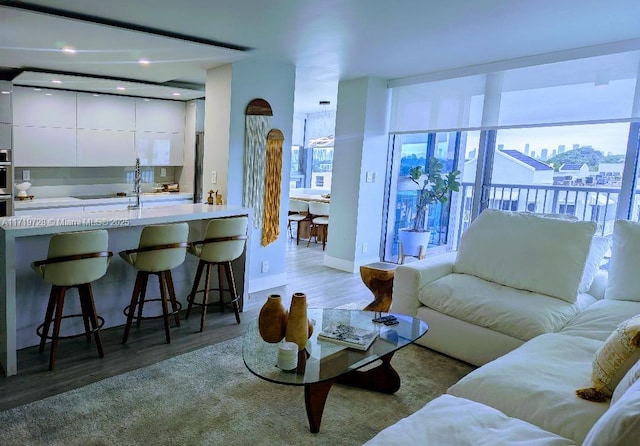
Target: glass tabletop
x,y
323,360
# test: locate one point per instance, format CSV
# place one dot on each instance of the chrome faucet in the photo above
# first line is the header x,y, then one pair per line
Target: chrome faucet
x,y
136,186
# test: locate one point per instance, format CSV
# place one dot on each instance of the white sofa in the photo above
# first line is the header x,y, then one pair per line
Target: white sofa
x,y
515,276
527,395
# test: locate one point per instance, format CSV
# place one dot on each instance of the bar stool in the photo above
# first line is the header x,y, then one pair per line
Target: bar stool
x,y
224,242
161,248
74,260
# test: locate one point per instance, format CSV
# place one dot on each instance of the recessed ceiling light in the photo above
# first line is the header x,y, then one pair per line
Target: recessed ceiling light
x,y
120,88
176,94
56,81
96,94
48,94
147,100
37,89
69,50
144,61
6,92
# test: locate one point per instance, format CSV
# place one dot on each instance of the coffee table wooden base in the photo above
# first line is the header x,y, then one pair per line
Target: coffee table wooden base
x,y
382,378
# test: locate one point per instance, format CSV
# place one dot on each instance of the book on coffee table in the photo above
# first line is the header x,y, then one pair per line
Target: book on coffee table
x,y
354,337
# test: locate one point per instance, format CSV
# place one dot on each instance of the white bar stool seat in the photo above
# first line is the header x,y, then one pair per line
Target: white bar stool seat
x,y
224,242
74,260
161,248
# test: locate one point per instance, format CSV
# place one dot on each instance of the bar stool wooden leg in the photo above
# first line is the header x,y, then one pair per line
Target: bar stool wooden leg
x,y
165,306
205,295
172,297
194,288
221,286
56,326
143,295
232,287
133,304
86,294
51,305
85,313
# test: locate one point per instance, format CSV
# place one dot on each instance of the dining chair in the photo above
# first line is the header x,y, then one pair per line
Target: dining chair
x,y
319,215
298,211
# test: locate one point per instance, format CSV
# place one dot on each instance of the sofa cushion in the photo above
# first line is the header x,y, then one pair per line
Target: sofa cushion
x,y
536,383
448,420
620,425
624,280
517,313
626,382
526,251
613,360
600,319
599,247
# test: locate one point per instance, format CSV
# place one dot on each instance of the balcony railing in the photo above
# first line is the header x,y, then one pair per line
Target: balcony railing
x,y
586,203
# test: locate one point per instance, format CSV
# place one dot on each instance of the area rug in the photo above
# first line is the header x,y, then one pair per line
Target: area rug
x,y
208,397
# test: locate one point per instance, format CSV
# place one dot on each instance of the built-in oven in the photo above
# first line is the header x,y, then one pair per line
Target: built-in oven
x,y
5,155
6,172
6,205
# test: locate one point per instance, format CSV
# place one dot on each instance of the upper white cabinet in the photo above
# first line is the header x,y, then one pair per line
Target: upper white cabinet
x,y
160,116
105,148
44,147
160,149
106,112
44,107
5,102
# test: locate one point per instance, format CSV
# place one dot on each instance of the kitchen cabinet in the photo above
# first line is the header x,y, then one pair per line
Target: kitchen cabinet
x,y
105,148
44,107
5,102
44,147
5,136
104,112
160,149
153,115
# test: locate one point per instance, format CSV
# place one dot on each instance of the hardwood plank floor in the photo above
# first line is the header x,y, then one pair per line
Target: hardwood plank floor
x,y
78,364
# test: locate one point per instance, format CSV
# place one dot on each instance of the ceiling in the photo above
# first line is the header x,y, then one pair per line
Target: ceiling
x,y
326,40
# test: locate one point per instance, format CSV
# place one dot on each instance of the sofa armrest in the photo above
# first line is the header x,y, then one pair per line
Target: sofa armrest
x,y
411,277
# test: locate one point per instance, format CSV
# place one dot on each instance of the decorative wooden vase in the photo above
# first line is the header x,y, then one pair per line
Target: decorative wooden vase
x,y
298,326
272,320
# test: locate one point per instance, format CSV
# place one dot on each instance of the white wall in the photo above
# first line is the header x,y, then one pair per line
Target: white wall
x,y
361,146
229,91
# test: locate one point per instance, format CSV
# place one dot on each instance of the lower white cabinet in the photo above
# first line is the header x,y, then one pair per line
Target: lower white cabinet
x,y
43,147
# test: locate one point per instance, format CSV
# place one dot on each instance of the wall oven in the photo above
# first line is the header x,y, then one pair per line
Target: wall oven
x,y
6,173
6,205
6,183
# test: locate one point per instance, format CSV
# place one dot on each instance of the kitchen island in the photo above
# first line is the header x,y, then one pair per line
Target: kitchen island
x,y
24,239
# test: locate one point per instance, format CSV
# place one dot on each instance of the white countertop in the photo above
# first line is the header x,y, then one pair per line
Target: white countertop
x,y
80,221
62,202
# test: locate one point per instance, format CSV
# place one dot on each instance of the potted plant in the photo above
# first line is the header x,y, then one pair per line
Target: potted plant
x,y
434,186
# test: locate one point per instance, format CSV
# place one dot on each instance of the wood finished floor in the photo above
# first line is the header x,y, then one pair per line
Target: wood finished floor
x,y
78,364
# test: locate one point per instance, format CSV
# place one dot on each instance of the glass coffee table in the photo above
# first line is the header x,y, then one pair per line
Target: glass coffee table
x,y
323,363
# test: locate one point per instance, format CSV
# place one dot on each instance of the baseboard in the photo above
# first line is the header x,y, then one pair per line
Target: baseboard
x,y
347,265
265,283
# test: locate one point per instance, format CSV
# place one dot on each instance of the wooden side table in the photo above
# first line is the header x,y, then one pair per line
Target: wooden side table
x,y
378,277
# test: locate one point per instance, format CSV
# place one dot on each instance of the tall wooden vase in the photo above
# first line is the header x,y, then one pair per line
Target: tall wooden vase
x,y
272,320
298,324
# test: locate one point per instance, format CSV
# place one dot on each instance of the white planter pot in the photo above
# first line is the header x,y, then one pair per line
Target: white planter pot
x,y
413,241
